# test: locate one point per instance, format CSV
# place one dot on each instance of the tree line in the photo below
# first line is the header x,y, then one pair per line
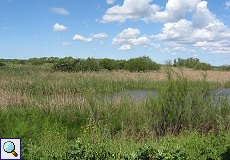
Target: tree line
x,y
140,64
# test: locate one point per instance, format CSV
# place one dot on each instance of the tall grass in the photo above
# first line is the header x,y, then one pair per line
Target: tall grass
x,y
66,115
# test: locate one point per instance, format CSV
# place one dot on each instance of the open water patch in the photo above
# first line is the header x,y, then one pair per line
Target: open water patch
x,y
136,95
220,95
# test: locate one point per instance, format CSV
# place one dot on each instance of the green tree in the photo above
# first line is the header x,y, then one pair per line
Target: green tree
x,y
109,64
141,64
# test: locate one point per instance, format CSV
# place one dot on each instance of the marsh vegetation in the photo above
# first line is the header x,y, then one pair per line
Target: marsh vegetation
x,y
62,115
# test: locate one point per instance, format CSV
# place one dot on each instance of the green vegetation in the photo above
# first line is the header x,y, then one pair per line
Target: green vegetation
x,y
64,115
193,63
141,64
70,64
224,68
2,64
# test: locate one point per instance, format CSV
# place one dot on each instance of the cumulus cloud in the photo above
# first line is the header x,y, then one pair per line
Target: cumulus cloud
x,y
227,4
58,27
110,1
78,37
99,35
61,11
222,46
128,37
204,31
131,9
146,11
125,47
174,11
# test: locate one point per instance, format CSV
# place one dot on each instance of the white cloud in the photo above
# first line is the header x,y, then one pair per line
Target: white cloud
x,y
78,37
66,43
203,31
144,10
58,27
188,23
174,11
110,1
61,11
128,37
214,47
131,9
99,35
227,5
125,47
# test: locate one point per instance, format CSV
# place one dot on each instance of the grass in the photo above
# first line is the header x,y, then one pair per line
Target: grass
x,y
63,115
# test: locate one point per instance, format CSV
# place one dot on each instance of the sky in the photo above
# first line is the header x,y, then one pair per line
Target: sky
x,y
118,29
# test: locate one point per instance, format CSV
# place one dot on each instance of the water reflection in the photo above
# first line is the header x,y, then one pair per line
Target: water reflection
x,y
219,95
135,94
138,95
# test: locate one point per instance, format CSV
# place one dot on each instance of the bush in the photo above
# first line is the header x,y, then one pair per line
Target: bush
x,y
67,64
37,61
90,64
18,61
70,64
224,68
141,64
2,64
193,63
109,64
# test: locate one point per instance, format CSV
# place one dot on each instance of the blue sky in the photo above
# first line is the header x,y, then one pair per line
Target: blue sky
x,y
118,29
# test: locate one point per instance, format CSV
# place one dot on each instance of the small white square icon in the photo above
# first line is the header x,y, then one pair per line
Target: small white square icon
x,y
10,148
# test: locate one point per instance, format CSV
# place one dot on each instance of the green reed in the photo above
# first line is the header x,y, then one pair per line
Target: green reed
x,y
70,111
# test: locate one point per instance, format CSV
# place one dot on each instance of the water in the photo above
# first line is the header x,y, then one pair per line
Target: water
x,y
135,94
220,94
138,95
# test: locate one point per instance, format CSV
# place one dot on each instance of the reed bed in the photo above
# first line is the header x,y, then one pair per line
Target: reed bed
x,y
59,108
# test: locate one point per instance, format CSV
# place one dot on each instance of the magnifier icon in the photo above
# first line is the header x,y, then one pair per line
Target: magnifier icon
x,y
9,147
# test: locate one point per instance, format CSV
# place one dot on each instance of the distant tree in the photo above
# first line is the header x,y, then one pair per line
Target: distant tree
x,y
109,64
90,64
37,61
18,61
2,64
70,64
141,64
224,68
52,59
193,63
67,64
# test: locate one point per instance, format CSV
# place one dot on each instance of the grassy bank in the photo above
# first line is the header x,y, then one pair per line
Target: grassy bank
x,y
63,115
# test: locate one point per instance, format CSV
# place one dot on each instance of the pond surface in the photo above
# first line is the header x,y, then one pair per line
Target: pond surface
x,y
139,95
220,92
135,94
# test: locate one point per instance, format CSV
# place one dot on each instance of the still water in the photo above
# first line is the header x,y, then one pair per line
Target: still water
x,y
139,95
135,94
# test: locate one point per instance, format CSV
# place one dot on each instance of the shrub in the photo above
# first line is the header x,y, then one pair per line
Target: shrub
x,y
37,61
141,64
109,64
193,63
18,61
90,64
2,64
224,68
66,64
